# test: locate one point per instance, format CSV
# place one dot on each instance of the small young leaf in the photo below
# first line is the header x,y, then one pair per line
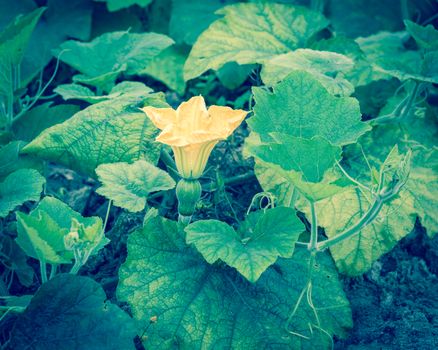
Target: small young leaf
x,y
41,233
128,185
255,247
72,312
18,187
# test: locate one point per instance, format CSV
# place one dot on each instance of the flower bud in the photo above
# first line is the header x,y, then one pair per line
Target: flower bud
x,y
188,192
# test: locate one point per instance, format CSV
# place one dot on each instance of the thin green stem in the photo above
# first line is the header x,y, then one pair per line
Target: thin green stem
x,y
365,220
238,179
108,209
43,271
53,270
313,228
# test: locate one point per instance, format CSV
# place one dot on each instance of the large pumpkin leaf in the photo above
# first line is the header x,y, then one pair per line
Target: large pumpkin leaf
x,y
304,162
72,312
190,18
300,106
102,60
355,255
258,243
198,305
106,132
18,187
13,43
11,159
388,54
167,67
323,65
41,233
15,37
62,20
128,185
425,36
252,33
33,122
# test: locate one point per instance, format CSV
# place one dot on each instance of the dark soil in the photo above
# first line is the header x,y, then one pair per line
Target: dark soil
x,y
395,304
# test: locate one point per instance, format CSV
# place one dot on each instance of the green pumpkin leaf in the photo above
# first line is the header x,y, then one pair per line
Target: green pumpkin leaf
x,y
116,5
128,185
167,67
325,66
41,233
304,162
72,312
106,132
423,188
190,18
388,54
425,36
33,122
355,255
199,305
360,18
232,75
11,159
14,40
300,106
255,247
15,37
124,89
252,33
102,60
19,187
16,260
310,157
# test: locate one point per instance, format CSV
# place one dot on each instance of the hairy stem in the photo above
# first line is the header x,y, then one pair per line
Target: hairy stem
x,y
313,228
365,220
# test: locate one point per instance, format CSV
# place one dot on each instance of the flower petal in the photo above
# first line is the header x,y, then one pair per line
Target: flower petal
x,y
192,115
161,117
225,119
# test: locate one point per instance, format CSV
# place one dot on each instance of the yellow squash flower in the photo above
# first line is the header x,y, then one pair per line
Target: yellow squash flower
x,y
192,131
